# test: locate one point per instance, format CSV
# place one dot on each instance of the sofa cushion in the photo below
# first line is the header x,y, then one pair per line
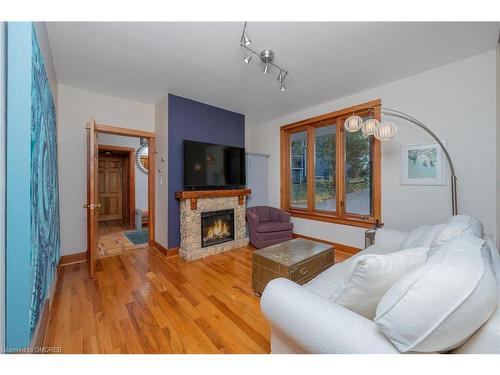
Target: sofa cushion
x,y
456,226
371,275
436,307
422,236
330,280
486,340
273,226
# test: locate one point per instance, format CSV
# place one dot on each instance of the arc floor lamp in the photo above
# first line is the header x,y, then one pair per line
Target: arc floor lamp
x,y
385,131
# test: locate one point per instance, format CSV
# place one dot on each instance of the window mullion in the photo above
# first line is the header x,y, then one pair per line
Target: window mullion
x,y
340,158
310,169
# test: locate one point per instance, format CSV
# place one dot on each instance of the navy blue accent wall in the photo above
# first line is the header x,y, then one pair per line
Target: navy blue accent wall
x,y
188,119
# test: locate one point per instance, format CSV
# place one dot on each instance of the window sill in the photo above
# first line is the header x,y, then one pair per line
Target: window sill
x,y
321,216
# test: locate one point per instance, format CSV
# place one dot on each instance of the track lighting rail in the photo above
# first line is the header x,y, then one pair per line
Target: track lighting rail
x,y
266,56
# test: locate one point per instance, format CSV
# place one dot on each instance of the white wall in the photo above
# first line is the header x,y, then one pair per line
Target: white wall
x,y
498,142
3,124
75,108
141,179
457,101
44,43
161,201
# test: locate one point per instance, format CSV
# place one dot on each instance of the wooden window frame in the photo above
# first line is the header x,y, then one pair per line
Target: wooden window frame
x,y
339,216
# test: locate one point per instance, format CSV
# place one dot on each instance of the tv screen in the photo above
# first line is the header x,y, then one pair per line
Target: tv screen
x,y
209,166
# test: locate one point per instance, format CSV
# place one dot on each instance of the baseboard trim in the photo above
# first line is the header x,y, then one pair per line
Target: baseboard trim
x,y
170,252
338,246
72,259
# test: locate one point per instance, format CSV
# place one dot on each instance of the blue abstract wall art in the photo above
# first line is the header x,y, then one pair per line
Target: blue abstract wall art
x,y
45,238
32,214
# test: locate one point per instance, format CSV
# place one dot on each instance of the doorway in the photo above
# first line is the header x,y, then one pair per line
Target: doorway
x,y
256,168
117,195
116,222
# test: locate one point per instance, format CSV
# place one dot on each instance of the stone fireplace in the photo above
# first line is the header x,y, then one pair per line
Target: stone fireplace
x,y
217,227
211,222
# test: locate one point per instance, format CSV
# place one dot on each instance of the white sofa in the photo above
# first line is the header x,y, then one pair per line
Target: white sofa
x,y
304,320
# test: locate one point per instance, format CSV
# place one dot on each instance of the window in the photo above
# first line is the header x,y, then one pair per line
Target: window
x,y
298,169
329,174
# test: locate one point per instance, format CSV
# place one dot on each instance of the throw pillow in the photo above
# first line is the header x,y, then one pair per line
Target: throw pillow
x,y
458,225
422,236
437,306
371,275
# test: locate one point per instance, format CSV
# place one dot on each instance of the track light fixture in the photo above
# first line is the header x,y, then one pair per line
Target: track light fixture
x,y
245,40
266,57
244,37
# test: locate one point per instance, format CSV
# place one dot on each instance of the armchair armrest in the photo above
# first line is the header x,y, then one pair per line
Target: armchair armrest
x,y
284,217
252,218
390,239
280,215
318,325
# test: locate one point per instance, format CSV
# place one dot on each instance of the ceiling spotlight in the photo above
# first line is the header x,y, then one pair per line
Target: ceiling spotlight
x,y
266,68
245,40
282,88
247,59
280,76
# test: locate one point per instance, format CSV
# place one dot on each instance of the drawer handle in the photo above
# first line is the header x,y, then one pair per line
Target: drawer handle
x,y
304,271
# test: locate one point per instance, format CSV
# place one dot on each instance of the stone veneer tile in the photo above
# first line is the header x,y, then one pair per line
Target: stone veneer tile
x,y
191,227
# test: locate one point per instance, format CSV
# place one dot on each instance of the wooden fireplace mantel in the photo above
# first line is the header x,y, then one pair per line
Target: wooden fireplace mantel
x,y
193,196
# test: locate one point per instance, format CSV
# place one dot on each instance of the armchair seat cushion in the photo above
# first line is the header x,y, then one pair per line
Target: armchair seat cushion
x,y
273,226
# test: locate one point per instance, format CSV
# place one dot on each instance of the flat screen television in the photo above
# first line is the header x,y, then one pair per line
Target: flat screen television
x,y
212,166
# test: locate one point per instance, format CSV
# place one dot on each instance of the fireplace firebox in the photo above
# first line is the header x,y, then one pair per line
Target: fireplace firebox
x,y
217,227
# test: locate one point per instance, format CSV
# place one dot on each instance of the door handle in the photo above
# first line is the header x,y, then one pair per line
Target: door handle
x,y
92,205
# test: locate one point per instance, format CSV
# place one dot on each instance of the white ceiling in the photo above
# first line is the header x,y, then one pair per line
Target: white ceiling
x,y
203,61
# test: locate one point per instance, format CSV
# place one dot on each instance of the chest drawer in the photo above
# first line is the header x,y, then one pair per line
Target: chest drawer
x,y
311,267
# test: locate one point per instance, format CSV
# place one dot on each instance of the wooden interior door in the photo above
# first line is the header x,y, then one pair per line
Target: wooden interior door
x,y
110,183
92,205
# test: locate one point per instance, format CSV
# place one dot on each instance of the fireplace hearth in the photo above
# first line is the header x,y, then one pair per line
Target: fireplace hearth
x,y
217,227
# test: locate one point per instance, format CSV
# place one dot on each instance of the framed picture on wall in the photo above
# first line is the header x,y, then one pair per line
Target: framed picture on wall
x,y
423,164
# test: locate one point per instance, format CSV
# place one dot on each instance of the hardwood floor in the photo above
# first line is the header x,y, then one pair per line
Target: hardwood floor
x,y
112,239
143,302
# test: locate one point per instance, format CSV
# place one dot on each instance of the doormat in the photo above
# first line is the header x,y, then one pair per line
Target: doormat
x,y
138,237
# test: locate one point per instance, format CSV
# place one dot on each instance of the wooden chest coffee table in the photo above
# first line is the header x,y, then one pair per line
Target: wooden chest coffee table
x,y
299,260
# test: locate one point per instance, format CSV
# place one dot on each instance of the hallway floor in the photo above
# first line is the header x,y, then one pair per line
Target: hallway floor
x,y
112,239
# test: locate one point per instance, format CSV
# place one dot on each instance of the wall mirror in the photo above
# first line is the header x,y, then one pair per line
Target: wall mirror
x,y
141,156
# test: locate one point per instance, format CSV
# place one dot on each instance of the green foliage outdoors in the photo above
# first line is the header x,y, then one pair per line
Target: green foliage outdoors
x,y
358,165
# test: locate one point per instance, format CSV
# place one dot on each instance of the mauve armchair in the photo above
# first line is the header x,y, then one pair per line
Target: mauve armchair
x,y
268,226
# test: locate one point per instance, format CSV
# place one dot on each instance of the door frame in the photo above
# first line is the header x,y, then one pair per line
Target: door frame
x,y
151,138
131,176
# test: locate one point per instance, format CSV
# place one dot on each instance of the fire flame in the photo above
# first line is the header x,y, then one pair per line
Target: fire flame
x,y
219,229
